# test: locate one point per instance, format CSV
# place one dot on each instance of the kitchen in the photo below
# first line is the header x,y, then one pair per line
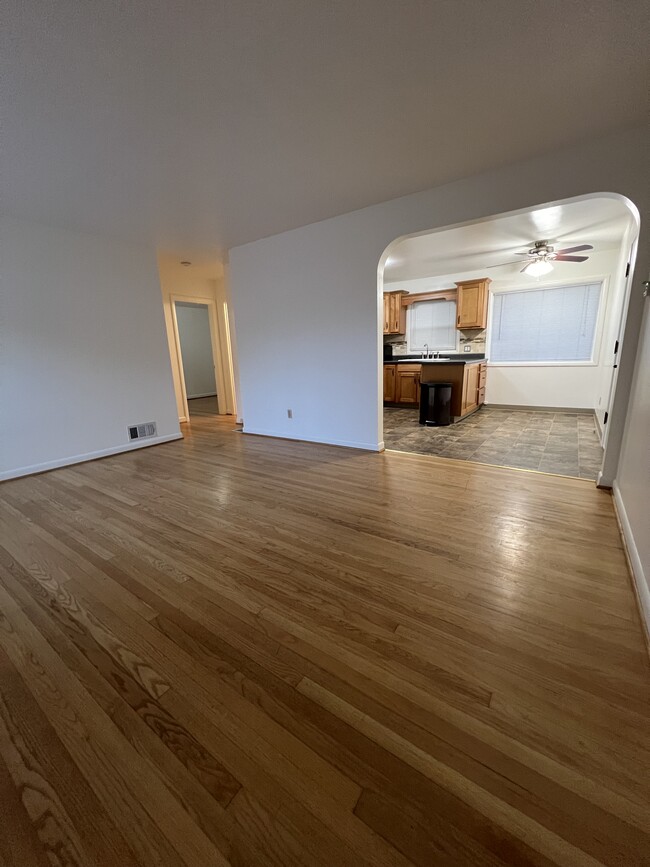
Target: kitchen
x,y
527,354
466,371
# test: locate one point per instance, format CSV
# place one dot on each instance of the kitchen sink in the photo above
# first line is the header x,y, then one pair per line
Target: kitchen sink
x,y
421,360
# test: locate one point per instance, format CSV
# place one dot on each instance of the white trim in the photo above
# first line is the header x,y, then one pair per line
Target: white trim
x,y
542,364
636,567
88,456
368,447
182,419
522,407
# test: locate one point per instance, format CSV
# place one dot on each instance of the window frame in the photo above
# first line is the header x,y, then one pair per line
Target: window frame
x,y
603,302
409,312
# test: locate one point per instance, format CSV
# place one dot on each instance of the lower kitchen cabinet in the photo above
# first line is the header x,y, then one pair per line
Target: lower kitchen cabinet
x,y
470,389
407,384
402,384
389,383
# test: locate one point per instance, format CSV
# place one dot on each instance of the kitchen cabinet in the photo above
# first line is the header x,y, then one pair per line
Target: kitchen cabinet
x,y
389,383
470,389
467,384
471,303
402,384
394,313
407,384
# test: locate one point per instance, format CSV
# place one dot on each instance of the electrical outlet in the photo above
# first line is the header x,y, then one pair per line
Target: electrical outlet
x,y
289,413
467,347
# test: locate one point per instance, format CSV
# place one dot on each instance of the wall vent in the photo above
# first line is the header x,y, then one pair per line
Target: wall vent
x,y
142,431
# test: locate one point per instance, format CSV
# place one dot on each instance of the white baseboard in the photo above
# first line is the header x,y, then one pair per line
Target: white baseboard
x,y
368,447
182,419
581,410
640,579
88,456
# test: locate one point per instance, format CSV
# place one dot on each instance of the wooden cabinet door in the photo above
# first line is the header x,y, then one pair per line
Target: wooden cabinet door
x,y
407,386
472,304
387,314
389,383
482,379
470,387
394,313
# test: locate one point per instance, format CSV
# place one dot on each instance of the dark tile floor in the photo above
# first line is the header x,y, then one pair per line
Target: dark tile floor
x,y
564,443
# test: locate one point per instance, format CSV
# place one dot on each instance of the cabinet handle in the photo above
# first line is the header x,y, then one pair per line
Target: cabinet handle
x,y
458,319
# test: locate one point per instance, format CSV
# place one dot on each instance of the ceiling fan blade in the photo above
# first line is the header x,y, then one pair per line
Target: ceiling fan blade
x,y
575,249
571,258
501,264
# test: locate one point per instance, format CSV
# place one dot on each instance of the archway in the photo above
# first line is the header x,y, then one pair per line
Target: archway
x,y
464,252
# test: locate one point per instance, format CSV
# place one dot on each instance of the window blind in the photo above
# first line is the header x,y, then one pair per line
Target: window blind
x,y
553,324
433,323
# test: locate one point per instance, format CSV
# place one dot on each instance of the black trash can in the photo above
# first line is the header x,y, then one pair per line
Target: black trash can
x,y
435,403
442,404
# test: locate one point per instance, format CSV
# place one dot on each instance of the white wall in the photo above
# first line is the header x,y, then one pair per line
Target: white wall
x,y
306,301
83,347
203,282
196,348
308,310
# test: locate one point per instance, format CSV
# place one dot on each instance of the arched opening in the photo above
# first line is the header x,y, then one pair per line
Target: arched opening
x,y
522,314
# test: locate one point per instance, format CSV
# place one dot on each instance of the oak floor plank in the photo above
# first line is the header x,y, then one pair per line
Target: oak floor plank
x,y
127,789
72,826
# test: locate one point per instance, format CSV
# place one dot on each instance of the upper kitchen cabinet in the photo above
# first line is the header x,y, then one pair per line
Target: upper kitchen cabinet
x,y
394,313
472,301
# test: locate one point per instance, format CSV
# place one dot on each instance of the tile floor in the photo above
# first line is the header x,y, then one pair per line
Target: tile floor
x,y
564,443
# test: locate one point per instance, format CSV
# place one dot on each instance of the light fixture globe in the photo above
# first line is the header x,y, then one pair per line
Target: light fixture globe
x,y
537,268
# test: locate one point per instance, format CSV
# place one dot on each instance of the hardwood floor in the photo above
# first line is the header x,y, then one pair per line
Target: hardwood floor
x,y
202,406
237,650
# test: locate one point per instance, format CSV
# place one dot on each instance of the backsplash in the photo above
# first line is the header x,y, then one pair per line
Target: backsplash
x,y
475,337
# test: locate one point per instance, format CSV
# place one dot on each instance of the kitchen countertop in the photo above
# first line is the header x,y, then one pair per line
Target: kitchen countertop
x,y
465,358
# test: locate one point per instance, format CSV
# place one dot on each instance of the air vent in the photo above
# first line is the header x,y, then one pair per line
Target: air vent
x,y
142,431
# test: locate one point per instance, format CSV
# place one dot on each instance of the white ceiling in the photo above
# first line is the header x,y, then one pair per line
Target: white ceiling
x,y
600,222
215,122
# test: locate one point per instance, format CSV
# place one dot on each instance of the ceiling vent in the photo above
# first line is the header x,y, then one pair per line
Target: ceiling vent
x,y
142,431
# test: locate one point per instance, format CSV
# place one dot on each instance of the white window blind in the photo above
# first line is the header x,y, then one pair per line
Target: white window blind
x,y
433,323
554,324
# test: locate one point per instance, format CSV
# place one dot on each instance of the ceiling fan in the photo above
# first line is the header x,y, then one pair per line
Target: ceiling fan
x,y
542,255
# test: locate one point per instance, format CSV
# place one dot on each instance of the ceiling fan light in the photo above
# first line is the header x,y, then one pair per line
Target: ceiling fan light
x,y
536,269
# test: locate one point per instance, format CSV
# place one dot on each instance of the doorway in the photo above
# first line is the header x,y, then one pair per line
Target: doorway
x,y
528,354
197,358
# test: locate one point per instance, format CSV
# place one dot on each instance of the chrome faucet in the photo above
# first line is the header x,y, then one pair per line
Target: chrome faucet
x,y
425,354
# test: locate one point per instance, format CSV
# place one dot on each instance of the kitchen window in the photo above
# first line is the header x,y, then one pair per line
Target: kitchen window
x,y
556,324
432,323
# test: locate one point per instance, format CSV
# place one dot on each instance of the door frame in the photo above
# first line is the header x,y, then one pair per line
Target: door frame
x,y
216,349
627,293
